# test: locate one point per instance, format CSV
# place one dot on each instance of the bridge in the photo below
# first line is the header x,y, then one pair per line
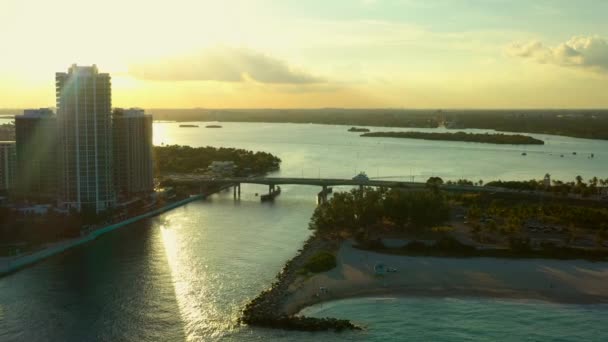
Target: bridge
x,y
324,183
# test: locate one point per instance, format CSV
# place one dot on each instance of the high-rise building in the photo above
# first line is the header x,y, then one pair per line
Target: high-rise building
x,y
84,102
36,144
7,165
132,130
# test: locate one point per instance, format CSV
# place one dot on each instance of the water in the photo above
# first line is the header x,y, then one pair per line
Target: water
x,y
331,151
186,274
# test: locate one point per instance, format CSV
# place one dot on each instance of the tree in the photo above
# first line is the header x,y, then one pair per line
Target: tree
x,y
434,181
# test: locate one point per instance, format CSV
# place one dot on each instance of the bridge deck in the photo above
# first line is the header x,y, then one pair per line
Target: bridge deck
x,y
338,182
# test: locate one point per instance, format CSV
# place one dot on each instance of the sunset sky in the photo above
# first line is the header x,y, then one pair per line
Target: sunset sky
x,y
313,53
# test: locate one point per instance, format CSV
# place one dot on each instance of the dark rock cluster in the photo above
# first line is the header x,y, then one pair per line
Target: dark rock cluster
x,y
266,310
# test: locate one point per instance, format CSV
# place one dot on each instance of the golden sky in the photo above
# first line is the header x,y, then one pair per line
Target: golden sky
x,y
357,53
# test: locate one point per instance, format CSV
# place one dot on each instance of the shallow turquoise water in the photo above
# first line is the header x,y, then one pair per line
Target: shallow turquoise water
x,y
186,274
469,319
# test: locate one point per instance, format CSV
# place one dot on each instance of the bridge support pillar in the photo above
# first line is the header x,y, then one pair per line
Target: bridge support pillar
x,y
236,190
324,194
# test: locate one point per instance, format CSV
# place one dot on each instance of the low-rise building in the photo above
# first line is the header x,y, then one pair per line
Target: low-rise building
x,y
225,168
7,132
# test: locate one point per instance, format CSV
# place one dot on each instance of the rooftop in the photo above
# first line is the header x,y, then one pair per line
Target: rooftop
x,y
83,70
131,112
35,113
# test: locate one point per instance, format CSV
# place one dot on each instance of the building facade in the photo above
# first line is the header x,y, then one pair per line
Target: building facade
x,y
7,132
36,144
7,165
133,165
84,102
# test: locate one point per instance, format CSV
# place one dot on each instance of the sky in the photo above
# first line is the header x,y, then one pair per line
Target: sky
x,y
313,53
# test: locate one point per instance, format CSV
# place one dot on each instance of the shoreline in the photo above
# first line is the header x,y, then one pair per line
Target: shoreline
x,y
556,281
449,293
15,264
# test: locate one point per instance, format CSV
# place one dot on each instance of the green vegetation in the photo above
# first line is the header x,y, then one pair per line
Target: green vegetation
x,y
320,262
186,159
328,116
518,248
357,129
514,212
497,138
358,211
578,186
590,124
580,123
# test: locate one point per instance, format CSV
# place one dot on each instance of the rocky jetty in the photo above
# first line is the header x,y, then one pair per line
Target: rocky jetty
x,y
267,309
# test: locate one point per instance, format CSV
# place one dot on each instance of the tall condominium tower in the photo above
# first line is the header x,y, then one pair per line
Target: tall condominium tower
x,y
132,152
84,102
36,137
7,165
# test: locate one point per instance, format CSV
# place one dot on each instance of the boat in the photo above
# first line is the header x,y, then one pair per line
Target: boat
x,y
524,154
213,126
188,126
574,153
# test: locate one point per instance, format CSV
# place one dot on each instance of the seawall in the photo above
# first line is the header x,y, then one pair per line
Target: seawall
x,y
15,264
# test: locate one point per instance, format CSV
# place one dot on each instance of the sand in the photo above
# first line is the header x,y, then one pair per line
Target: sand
x,y
567,281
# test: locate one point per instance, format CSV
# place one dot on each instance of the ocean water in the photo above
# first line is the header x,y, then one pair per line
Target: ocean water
x,y
186,274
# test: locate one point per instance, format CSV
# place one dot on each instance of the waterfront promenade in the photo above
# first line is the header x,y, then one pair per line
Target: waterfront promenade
x,y
12,264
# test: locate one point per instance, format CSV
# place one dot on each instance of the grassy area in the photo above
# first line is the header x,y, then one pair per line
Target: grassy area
x,y
320,262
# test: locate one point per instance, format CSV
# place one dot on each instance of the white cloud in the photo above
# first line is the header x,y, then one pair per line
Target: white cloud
x,y
582,52
223,64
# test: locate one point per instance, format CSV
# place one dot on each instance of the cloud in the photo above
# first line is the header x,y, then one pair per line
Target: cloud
x,y
225,65
582,52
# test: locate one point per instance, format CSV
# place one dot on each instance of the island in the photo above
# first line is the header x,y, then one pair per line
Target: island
x,y
357,129
495,138
579,123
213,126
440,242
178,159
188,126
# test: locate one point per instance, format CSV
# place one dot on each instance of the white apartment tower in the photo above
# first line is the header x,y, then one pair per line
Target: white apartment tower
x,y
84,102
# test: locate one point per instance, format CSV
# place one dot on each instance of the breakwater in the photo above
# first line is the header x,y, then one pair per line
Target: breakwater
x,y
268,308
14,264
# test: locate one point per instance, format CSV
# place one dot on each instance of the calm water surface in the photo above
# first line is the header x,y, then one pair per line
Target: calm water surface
x,y
186,274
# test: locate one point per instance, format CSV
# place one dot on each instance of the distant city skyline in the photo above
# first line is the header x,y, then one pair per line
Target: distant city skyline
x,y
290,54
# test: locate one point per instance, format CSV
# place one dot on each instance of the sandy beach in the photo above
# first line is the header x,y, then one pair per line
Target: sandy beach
x,y
568,281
